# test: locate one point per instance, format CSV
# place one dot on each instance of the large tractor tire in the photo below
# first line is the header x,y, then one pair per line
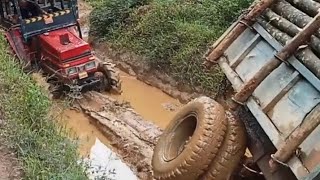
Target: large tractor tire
x,y
189,143
230,153
112,80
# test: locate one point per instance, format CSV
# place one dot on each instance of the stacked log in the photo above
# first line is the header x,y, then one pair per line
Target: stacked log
x,y
285,19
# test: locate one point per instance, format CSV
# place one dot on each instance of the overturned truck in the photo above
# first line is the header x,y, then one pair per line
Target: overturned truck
x,y
271,56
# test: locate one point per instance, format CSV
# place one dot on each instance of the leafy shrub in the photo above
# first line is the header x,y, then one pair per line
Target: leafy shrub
x,y
110,14
172,34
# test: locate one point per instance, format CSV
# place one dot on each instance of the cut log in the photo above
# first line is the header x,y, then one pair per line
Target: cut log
x,y
310,7
293,14
306,56
290,29
247,20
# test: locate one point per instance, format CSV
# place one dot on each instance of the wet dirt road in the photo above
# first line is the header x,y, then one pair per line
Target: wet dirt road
x,y
149,102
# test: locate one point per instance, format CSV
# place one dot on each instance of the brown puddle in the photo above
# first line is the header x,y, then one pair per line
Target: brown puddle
x,y
87,133
150,102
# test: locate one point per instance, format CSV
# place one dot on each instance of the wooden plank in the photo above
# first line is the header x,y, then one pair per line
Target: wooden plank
x,y
247,20
293,80
283,55
237,60
305,72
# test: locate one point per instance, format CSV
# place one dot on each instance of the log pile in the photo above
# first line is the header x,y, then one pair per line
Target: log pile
x,y
285,19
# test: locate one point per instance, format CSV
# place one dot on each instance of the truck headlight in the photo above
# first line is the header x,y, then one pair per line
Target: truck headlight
x,y
72,70
90,65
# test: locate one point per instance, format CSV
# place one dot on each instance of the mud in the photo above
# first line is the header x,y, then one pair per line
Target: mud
x,y
9,165
10,168
105,164
132,136
151,103
109,121
135,65
82,127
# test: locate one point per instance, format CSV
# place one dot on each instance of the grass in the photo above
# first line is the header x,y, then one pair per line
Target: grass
x,y
173,34
40,144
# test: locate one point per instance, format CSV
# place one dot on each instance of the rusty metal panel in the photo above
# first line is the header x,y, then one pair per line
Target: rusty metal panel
x,y
265,122
255,60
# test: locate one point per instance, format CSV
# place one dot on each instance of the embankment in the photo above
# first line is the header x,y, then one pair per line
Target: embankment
x,y
39,143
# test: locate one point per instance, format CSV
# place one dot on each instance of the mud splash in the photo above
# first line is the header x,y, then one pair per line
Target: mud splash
x,y
151,103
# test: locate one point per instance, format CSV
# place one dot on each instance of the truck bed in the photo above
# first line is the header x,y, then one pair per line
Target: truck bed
x,y
283,100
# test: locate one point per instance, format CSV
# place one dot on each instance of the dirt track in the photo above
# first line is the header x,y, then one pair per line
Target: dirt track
x,y
9,165
131,136
9,168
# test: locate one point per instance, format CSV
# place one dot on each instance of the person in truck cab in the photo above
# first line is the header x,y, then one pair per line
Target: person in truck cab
x,y
30,9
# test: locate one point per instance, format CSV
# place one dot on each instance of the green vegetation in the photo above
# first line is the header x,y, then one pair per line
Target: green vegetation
x,y
173,34
40,144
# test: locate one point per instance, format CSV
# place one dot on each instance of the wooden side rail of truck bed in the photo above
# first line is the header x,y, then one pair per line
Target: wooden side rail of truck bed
x,y
275,81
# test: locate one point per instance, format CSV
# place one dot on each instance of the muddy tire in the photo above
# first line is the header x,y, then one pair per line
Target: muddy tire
x,y
104,84
56,92
189,143
112,75
230,153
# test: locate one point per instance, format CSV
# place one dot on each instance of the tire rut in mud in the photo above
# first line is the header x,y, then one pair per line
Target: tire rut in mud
x,y
132,136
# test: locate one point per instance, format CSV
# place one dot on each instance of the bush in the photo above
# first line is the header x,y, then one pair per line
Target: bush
x,y
172,34
38,141
111,14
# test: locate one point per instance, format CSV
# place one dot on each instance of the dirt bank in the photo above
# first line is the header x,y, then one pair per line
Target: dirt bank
x,y
137,66
9,166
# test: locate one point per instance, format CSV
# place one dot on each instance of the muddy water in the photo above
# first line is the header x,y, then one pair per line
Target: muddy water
x,y
151,103
87,133
101,159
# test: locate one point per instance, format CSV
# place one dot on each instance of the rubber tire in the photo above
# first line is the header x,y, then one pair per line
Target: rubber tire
x,y
112,75
230,153
202,147
104,84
